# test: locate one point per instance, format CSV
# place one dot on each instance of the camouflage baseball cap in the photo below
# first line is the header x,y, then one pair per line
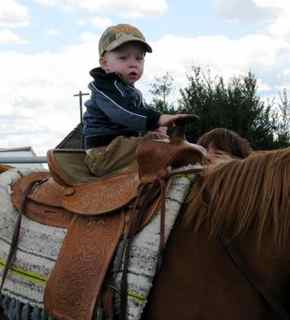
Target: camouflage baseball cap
x,y
115,36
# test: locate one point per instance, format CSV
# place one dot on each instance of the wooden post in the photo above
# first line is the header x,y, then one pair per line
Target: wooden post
x,y
80,95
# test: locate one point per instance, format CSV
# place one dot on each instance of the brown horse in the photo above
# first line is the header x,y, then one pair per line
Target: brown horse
x,y
229,254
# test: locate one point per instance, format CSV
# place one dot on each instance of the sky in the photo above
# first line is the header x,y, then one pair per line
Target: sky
x,y
47,48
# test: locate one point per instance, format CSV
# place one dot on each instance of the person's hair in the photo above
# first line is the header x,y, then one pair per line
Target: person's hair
x,y
226,140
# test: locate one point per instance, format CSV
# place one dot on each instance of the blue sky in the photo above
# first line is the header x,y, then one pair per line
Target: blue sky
x,y
47,48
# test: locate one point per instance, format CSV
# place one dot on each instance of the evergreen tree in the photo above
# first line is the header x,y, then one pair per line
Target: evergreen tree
x,y
283,114
235,106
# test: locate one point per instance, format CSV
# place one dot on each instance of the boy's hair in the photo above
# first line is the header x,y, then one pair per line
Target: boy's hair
x,y
114,36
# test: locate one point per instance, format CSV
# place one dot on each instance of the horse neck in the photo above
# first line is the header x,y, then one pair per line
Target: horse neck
x,y
268,263
198,281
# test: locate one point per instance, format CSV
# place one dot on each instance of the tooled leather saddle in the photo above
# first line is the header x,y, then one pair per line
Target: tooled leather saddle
x,y
96,212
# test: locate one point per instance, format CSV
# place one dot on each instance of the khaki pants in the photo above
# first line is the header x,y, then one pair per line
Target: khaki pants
x,y
118,156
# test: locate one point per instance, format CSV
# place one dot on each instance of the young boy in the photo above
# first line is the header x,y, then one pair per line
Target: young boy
x,y
116,107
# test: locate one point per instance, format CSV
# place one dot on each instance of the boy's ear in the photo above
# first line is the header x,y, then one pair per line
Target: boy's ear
x,y
102,61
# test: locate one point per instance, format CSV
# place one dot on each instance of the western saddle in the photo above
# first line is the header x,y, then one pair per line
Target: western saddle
x,y
95,212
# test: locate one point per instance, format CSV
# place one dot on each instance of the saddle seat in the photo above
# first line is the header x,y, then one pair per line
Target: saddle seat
x,y
71,186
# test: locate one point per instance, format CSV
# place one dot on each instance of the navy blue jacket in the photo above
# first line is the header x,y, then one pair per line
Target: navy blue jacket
x,y
114,109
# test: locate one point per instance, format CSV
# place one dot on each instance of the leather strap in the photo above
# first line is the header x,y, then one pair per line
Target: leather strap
x,y
277,307
107,303
163,185
2,313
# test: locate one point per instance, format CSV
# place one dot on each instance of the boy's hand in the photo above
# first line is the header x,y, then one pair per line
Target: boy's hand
x,y
167,120
156,135
161,130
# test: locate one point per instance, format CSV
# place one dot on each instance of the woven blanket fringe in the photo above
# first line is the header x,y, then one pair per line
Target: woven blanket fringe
x,y
16,310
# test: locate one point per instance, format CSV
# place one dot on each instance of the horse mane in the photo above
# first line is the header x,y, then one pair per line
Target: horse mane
x,y
243,193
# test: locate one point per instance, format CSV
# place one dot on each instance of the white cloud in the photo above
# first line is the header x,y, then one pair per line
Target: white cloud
x,y
272,3
39,101
281,24
88,37
260,54
48,3
9,37
274,15
263,87
53,32
39,105
128,8
245,10
13,14
101,22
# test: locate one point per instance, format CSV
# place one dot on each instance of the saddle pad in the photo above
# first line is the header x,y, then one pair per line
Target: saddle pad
x,y
40,244
37,251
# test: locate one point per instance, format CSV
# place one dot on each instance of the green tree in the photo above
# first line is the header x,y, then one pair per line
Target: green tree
x,y
235,106
283,114
161,89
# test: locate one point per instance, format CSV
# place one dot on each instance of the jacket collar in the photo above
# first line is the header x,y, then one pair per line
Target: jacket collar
x,y
100,75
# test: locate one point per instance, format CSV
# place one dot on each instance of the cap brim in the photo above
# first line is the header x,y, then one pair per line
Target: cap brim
x,y
117,43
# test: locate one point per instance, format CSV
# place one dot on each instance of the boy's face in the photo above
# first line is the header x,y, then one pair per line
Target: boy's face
x,y
127,61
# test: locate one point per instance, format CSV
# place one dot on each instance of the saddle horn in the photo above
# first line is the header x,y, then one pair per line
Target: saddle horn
x,y
177,131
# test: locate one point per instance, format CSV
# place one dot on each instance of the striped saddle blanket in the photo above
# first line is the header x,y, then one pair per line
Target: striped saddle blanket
x,y
39,246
